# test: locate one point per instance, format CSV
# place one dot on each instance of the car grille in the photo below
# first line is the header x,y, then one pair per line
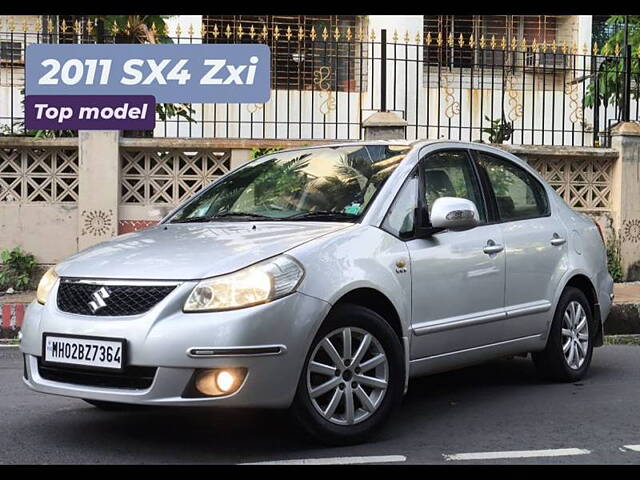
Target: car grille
x,y
132,377
121,300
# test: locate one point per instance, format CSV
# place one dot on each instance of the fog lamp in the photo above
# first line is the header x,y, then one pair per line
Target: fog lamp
x,y
225,380
220,381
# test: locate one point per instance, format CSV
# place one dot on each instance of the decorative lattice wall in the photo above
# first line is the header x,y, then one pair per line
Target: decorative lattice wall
x,y
150,176
168,176
38,175
584,183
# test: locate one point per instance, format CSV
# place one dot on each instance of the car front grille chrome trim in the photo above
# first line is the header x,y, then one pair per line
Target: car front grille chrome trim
x,y
122,282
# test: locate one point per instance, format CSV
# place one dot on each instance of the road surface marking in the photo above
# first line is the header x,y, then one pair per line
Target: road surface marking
x,y
334,460
556,452
635,448
9,346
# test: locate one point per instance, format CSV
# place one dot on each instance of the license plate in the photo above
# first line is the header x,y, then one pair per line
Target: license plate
x,y
92,352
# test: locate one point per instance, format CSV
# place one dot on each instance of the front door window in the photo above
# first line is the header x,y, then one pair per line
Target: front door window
x,y
449,173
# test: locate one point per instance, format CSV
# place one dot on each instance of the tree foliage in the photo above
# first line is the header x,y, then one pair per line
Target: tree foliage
x,y
145,29
610,70
137,28
614,256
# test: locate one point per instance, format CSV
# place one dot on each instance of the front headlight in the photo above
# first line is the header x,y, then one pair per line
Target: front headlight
x,y
253,285
47,282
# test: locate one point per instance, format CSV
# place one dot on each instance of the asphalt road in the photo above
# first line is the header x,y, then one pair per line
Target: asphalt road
x,y
498,407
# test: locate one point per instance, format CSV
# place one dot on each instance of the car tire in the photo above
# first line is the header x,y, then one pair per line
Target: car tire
x,y
556,362
370,403
114,406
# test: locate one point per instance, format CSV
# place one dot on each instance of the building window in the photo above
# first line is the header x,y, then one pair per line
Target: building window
x,y
65,29
11,52
295,60
450,27
446,27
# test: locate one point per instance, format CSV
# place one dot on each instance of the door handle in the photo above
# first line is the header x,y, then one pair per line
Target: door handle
x,y
557,240
492,248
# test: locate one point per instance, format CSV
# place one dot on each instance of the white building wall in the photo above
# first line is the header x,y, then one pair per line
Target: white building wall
x,y
320,114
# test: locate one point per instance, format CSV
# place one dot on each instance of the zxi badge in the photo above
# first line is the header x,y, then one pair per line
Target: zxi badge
x,y
98,301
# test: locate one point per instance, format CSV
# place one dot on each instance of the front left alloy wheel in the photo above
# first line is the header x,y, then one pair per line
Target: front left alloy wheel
x,y
352,378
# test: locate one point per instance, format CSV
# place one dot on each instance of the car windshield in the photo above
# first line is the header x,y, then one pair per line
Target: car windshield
x,y
328,183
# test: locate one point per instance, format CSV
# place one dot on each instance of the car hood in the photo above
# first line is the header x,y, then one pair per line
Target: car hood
x,y
191,251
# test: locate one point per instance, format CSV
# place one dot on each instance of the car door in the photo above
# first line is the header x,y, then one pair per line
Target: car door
x,y
458,277
535,243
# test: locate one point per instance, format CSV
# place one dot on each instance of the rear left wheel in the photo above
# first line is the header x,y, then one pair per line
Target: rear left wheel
x,y
569,349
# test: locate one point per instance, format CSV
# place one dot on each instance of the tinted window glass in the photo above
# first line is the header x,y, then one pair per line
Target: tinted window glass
x,y
341,180
399,220
518,194
449,174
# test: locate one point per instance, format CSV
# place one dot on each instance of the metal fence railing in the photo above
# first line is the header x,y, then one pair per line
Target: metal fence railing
x,y
326,83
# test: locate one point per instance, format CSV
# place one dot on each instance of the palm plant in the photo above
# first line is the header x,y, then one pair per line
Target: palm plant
x,y
145,29
137,28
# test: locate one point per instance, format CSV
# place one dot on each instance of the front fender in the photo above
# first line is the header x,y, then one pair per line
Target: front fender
x,y
363,257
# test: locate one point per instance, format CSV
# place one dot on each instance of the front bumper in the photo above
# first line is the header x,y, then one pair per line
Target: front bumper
x,y
164,337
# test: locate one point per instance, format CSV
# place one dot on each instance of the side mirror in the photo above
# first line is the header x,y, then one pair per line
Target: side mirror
x,y
454,214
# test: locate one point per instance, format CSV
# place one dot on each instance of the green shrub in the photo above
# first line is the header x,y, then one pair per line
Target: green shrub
x,y
17,269
500,130
614,257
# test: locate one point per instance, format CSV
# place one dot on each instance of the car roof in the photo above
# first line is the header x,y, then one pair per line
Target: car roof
x,y
393,142
417,144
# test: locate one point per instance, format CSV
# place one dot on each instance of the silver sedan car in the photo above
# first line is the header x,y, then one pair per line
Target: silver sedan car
x,y
321,279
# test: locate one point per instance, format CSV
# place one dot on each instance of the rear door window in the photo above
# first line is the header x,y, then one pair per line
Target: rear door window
x,y
518,194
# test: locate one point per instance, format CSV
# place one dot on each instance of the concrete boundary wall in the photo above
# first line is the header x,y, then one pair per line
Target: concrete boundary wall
x,y
57,198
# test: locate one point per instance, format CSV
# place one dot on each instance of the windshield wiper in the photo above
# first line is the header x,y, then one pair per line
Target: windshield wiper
x,y
322,215
192,220
318,215
211,218
254,216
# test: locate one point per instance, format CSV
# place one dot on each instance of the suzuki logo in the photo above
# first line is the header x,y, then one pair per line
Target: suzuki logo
x,y
98,302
